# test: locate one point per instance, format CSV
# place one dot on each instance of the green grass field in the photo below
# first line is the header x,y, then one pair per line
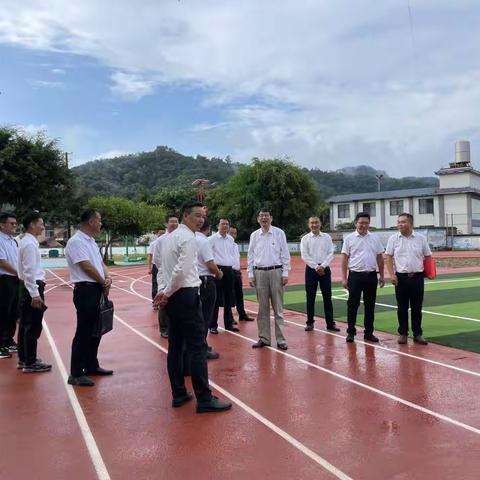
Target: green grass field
x,y
451,309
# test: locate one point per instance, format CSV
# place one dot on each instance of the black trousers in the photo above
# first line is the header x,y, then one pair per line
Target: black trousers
x,y
225,298
361,283
312,281
86,298
9,287
154,281
30,326
409,293
208,295
238,289
187,329
162,320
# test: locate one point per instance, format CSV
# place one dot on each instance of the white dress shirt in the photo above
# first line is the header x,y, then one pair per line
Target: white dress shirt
x,y
362,251
157,258
82,247
151,247
236,264
205,254
223,249
179,260
268,250
317,249
408,252
30,264
8,252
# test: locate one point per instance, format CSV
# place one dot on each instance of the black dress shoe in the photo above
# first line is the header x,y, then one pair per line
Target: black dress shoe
x,y
232,329
260,344
213,405
213,331
179,401
82,381
309,327
282,346
370,337
350,338
246,318
212,355
164,334
333,328
98,372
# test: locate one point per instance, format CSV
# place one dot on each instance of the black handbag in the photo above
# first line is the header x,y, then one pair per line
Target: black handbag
x,y
105,317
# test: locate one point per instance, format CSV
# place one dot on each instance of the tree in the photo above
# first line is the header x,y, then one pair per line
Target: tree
x,y
122,217
285,189
33,173
173,198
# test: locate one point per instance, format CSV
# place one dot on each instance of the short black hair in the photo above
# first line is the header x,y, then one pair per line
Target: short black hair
x,y
206,225
4,216
187,207
362,215
168,216
223,218
88,214
408,215
30,218
264,210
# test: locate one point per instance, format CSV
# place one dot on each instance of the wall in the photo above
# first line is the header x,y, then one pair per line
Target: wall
x,y
458,180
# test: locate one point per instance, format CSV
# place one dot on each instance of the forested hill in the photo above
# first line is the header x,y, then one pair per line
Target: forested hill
x,y
143,174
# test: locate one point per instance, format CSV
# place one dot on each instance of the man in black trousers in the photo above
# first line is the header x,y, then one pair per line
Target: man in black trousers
x,y
181,298
91,280
8,284
32,287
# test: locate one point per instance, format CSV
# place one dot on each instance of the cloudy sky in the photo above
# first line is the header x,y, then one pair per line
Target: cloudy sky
x,y
327,83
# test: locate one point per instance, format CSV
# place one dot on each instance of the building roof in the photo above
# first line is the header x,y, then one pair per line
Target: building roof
x,y
407,193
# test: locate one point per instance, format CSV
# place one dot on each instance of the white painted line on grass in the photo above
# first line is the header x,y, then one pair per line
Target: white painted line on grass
x,y
282,433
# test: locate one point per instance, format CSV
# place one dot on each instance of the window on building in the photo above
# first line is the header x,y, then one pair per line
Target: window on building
x,y
371,208
425,205
396,207
344,211
49,233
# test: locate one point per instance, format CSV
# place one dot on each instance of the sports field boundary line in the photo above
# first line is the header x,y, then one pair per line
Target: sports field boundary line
x,y
258,416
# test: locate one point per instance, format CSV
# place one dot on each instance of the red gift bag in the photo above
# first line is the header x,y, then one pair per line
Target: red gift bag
x,y
429,268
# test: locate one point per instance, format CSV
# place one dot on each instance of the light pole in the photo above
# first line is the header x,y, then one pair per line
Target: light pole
x,y
379,180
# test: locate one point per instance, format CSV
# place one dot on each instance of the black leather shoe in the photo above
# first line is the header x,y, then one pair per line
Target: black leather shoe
x,y
260,344
212,355
246,319
213,405
333,328
282,346
98,372
164,334
370,337
232,329
350,338
309,327
213,331
179,401
82,381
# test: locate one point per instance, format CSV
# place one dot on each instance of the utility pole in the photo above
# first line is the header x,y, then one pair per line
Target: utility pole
x,y
379,180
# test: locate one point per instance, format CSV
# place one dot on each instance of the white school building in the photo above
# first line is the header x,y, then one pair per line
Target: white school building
x,y
455,203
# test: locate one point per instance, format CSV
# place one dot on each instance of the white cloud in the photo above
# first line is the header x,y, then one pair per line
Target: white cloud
x,y
328,83
58,71
112,154
46,84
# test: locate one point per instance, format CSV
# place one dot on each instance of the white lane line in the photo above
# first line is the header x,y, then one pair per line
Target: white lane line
x,y
282,433
94,452
355,382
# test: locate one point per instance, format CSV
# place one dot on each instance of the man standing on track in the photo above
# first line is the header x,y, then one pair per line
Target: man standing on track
x,y
181,298
32,286
224,254
268,266
238,282
152,268
91,280
408,250
171,223
362,252
8,284
317,252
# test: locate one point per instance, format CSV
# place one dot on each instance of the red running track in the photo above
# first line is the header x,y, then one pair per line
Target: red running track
x,y
321,410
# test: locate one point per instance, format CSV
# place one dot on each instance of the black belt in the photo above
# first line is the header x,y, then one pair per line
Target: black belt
x,y
364,273
226,267
40,283
87,284
274,267
410,275
207,278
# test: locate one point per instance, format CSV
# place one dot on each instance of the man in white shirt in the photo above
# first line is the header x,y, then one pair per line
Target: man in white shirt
x,y
362,252
151,267
32,299
181,298
268,266
8,284
238,282
91,280
208,272
171,224
408,250
317,252
224,254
